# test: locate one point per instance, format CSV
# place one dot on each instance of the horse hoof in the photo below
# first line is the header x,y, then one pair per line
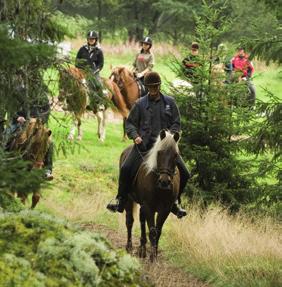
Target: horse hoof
x,y
142,252
129,248
79,138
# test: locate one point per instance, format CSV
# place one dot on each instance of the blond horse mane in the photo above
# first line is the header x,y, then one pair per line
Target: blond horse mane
x,y
160,144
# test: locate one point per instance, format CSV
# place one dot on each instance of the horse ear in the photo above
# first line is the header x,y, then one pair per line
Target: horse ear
x,y
162,134
176,136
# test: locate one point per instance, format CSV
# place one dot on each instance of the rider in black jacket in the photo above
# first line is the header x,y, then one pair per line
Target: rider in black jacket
x,y
90,55
148,117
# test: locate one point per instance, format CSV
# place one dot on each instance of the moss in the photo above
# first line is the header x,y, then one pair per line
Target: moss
x,y
39,250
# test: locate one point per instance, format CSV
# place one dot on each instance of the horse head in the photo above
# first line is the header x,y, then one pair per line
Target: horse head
x,y
162,159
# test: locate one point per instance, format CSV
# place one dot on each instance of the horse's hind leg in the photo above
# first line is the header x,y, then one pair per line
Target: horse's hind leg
x,y
143,239
101,118
129,224
35,199
79,132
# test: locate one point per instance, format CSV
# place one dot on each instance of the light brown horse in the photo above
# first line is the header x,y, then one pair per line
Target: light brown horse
x,y
155,188
74,91
128,86
32,144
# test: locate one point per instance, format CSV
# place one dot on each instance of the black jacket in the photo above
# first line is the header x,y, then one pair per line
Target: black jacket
x,y
139,121
93,59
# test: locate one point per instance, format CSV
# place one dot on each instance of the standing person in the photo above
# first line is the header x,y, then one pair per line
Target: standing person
x,y
147,118
223,57
191,62
244,66
144,60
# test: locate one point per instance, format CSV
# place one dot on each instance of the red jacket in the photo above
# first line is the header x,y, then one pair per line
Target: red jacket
x,y
244,65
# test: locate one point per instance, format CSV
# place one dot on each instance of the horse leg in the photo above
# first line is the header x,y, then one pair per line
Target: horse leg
x,y
35,199
101,115
72,132
150,217
129,224
124,132
79,132
143,239
161,218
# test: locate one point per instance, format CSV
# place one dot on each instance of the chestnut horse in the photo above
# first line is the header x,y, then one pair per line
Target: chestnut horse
x,y
32,142
74,91
128,87
155,188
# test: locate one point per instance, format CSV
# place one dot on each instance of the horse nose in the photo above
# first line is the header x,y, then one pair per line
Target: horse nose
x,y
164,182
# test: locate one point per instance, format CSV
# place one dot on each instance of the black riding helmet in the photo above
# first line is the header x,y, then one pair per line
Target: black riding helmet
x,y
147,40
152,79
92,34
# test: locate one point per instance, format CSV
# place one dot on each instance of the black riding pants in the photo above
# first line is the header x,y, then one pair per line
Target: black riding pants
x,y
131,165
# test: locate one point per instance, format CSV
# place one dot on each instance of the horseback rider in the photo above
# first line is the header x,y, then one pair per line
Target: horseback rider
x,y
27,108
144,62
191,62
222,57
147,118
242,64
90,57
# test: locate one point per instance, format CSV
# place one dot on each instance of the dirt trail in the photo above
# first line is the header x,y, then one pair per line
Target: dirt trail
x,y
161,274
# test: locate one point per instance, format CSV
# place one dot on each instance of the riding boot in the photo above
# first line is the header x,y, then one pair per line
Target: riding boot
x,y
120,201
177,210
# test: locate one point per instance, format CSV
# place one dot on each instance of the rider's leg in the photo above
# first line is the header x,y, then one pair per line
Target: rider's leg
x,y
184,176
252,95
48,162
128,171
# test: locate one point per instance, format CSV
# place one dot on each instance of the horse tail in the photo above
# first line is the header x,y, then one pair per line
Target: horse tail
x,y
118,100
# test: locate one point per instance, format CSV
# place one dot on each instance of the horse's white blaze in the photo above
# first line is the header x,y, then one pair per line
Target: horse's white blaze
x,y
160,144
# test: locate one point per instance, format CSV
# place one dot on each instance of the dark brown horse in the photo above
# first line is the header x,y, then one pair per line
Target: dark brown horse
x,y
75,91
32,144
155,188
128,86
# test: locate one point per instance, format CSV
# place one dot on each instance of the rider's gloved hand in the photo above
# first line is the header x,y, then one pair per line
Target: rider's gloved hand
x,y
21,120
139,75
138,140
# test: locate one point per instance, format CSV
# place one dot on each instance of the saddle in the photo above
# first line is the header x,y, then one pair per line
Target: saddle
x,y
141,88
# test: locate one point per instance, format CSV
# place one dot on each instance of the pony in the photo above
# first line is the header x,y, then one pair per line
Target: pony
x,y
74,91
31,142
128,87
155,188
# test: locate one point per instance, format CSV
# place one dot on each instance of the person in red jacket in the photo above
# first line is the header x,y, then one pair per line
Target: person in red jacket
x,y
243,66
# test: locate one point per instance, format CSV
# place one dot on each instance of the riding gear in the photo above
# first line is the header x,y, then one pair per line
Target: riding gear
x,y
195,46
92,35
147,40
152,79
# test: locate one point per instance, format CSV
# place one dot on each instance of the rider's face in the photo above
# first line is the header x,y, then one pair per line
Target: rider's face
x,y
241,52
154,91
145,47
194,51
91,41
